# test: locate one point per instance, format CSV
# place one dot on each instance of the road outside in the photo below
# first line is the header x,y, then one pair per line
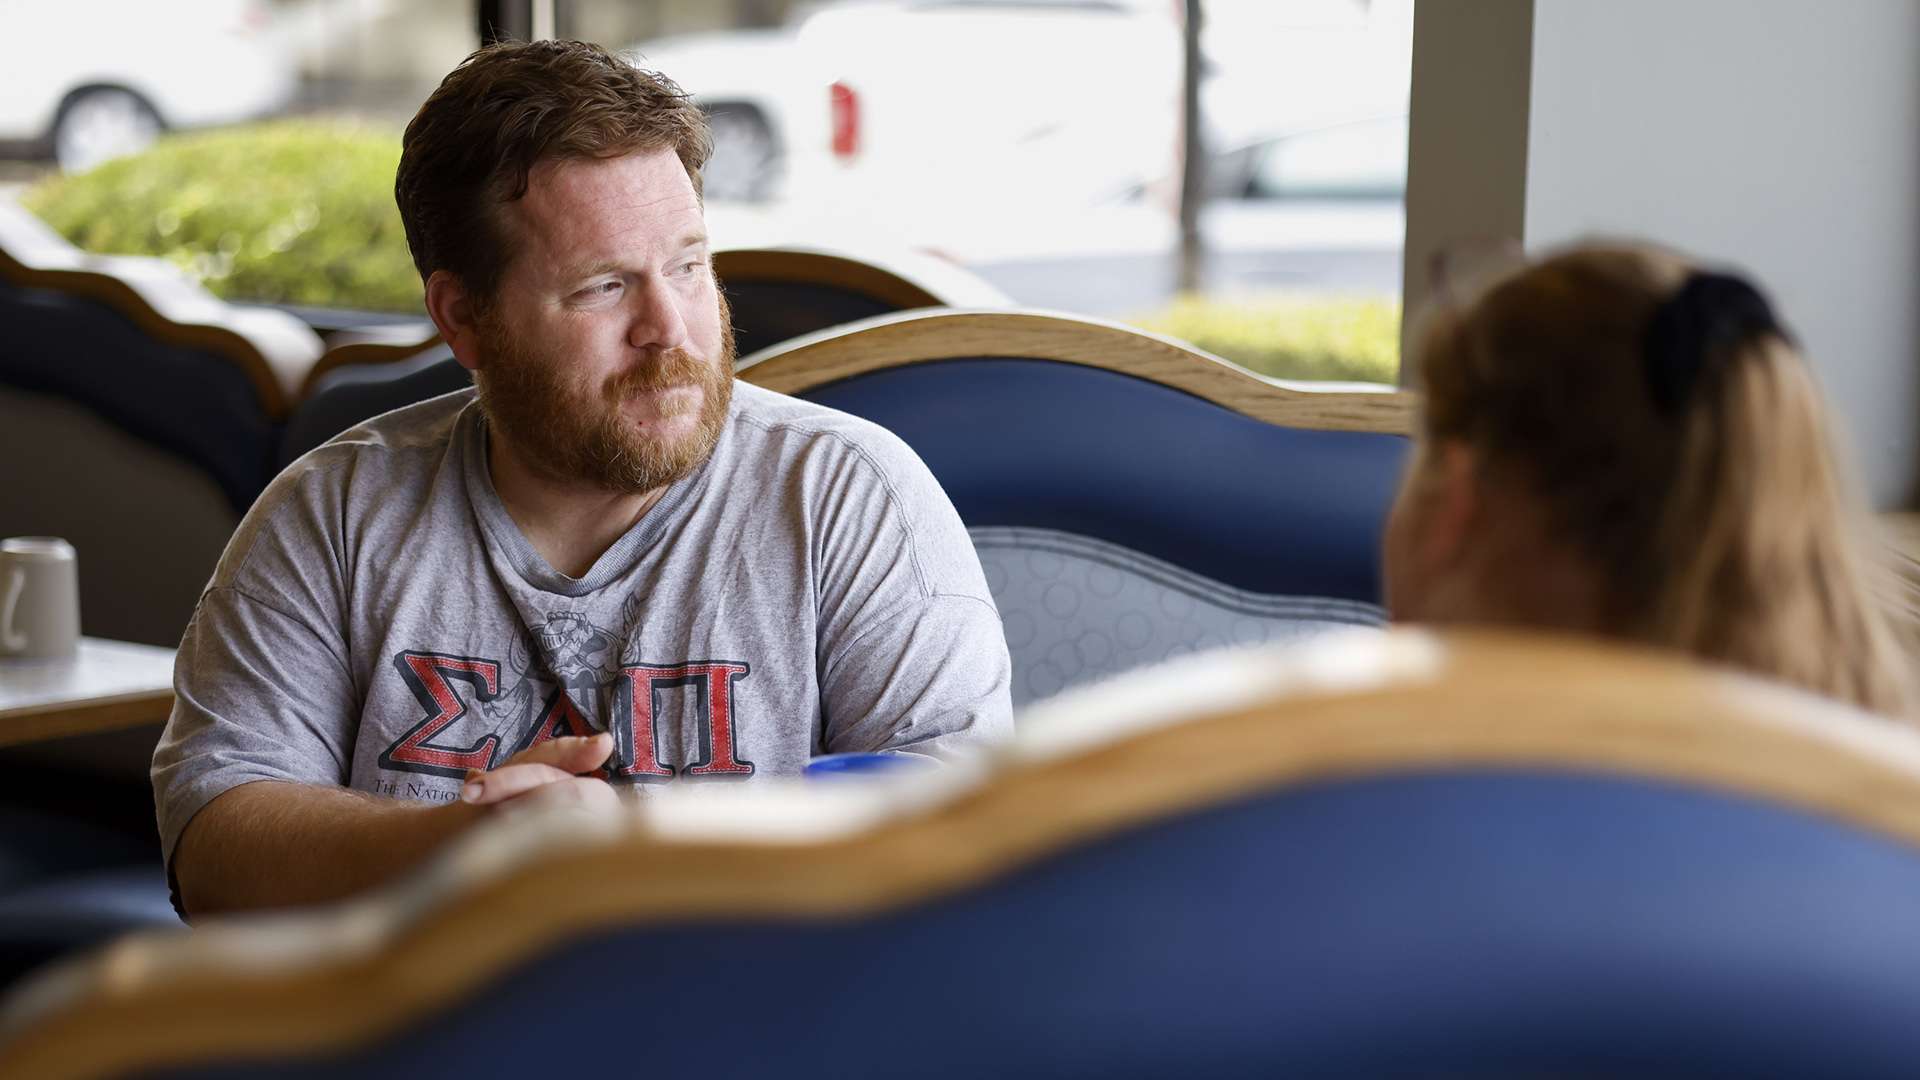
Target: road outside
x,y
1109,261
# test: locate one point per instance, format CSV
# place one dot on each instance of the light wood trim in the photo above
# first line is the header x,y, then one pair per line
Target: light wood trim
x,y
1497,700
36,723
820,268
915,336
273,348
361,352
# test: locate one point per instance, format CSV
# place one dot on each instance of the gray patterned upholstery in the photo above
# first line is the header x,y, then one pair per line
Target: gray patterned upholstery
x,y
1075,609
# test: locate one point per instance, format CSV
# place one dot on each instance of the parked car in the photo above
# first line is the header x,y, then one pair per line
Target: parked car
x,y
83,81
1365,159
1068,100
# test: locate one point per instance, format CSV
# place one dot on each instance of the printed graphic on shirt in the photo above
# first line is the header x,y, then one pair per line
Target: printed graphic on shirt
x,y
433,677
574,648
657,712
712,682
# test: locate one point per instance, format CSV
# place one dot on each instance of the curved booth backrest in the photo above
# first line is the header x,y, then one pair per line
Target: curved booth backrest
x,y
1075,609
103,359
190,402
1390,856
1131,499
1078,449
349,394
85,397
777,294
270,349
368,350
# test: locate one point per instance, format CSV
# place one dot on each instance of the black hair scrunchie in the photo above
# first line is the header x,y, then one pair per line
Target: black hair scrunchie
x,y
1709,312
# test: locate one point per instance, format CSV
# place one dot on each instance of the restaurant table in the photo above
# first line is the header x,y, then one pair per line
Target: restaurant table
x,y
110,685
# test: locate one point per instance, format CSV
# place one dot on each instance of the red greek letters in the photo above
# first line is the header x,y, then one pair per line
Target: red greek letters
x,y
427,675
529,714
713,681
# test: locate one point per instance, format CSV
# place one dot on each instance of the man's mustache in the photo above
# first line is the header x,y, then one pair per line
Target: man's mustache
x,y
664,372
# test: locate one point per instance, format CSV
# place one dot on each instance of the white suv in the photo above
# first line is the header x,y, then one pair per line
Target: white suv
x,y
88,80
1067,101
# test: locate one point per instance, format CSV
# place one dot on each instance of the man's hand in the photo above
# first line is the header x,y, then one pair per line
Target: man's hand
x,y
546,775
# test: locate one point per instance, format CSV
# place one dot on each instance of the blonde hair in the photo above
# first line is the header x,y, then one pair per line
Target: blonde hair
x,y
1722,526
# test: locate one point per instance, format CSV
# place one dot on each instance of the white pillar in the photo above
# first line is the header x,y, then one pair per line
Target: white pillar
x,y
1467,136
1775,135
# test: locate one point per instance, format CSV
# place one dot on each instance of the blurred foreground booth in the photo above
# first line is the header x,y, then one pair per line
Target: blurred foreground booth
x,y
1384,854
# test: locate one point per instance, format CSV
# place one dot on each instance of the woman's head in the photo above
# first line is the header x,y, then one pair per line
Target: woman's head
x,y
1617,443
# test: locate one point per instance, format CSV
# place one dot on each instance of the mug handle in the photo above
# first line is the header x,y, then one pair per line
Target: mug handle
x,y
10,639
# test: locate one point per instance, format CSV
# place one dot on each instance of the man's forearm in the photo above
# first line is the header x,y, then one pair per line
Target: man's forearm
x,y
273,844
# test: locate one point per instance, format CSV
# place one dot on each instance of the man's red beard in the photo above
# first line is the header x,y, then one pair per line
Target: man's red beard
x,y
571,431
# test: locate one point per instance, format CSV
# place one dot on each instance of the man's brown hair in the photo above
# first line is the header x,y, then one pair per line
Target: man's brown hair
x,y
471,148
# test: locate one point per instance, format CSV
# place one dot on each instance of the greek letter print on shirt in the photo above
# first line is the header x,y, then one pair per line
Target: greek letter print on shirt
x,y
539,707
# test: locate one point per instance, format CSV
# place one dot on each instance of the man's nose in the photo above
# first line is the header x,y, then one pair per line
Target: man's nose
x,y
658,321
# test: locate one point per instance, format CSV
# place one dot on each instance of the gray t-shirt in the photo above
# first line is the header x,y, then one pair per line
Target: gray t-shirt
x,y
378,620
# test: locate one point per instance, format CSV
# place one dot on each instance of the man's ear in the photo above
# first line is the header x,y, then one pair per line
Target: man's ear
x,y
451,309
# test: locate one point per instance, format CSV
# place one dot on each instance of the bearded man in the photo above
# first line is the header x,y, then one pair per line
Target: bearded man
x,y
606,567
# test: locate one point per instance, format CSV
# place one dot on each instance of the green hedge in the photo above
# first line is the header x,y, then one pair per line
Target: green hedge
x,y
1291,335
288,211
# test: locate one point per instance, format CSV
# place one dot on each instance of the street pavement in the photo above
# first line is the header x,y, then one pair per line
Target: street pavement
x,y
1107,260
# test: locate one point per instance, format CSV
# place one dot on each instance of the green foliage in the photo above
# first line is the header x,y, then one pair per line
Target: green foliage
x,y
289,211
1291,335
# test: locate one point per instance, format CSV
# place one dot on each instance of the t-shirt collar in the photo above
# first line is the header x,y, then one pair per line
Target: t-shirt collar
x,y
470,433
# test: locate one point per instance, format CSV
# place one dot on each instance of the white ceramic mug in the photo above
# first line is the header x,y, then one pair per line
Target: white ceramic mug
x,y
39,599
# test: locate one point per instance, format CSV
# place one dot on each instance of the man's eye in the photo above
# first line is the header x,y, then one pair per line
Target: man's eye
x,y
601,289
688,268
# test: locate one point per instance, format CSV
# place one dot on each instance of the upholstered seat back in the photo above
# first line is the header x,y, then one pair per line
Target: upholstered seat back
x,y
1075,609
1051,445
1121,521
143,454
195,404
778,294
349,395
1466,924
769,312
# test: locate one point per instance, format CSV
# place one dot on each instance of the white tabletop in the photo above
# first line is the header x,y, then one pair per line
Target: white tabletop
x,y
109,684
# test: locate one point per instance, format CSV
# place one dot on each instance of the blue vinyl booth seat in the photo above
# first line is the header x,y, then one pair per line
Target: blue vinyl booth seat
x,y
779,294
1120,520
192,403
66,882
766,313
1476,924
1077,449
347,396
1501,862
